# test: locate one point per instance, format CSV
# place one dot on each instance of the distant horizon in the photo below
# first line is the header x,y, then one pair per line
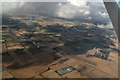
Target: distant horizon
x,y
90,11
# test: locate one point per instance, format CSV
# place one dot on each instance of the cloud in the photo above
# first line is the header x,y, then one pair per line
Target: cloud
x,y
84,10
78,2
29,8
10,6
72,11
80,9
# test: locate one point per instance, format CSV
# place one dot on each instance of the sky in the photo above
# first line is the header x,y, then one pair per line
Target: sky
x,y
117,0
72,9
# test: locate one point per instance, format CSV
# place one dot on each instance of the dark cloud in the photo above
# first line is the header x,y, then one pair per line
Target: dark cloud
x,y
92,11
